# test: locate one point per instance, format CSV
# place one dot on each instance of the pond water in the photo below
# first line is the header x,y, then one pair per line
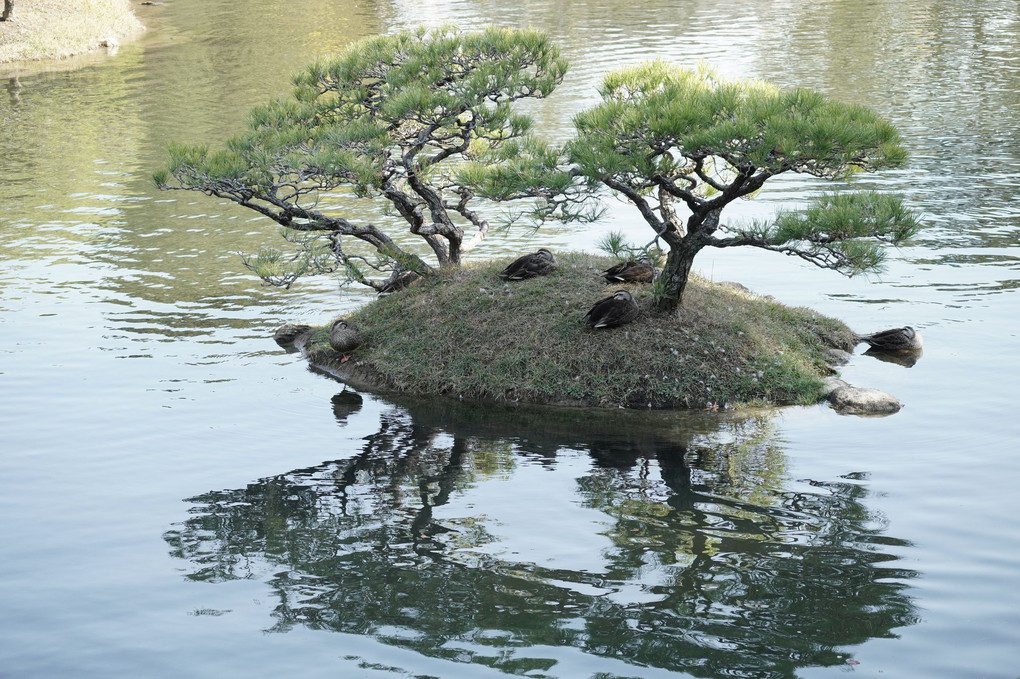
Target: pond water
x,y
180,497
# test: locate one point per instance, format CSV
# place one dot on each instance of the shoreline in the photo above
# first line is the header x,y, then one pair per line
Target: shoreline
x,y
51,30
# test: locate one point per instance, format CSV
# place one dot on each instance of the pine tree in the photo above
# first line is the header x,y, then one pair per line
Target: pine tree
x,y
682,144
391,119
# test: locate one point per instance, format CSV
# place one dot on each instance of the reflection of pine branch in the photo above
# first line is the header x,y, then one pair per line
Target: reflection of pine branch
x,y
329,505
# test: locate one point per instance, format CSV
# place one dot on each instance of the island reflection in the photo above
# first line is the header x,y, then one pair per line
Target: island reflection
x,y
711,562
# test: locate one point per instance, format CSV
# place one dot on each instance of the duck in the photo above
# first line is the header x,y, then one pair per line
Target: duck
x,y
534,264
610,312
344,336
897,339
632,271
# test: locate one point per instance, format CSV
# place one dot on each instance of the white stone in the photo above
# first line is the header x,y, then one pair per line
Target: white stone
x,y
858,401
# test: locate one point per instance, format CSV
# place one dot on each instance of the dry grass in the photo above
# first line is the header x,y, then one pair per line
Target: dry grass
x,y
55,29
467,334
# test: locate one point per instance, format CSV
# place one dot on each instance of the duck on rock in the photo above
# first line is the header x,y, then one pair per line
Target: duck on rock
x,y
613,311
897,339
539,263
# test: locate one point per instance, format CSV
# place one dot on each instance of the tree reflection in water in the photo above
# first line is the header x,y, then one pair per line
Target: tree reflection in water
x,y
718,563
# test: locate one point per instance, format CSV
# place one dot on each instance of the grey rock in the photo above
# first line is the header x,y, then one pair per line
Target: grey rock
x,y
835,358
831,384
287,333
860,401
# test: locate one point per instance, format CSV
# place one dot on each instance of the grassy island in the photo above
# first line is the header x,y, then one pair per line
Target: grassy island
x,y
56,29
466,334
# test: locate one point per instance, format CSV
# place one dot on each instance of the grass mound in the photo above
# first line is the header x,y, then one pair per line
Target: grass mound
x,y
467,334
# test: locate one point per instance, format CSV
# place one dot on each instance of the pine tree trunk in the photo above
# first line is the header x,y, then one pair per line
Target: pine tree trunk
x,y
673,279
682,251
8,10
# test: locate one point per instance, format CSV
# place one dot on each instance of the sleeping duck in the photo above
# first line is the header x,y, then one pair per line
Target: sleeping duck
x,y
528,266
897,339
612,311
631,271
344,336
397,282
287,333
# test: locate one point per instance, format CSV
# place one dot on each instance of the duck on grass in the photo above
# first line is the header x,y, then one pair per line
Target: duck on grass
x,y
468,333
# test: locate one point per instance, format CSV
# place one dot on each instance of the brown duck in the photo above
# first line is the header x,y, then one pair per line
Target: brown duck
x,y
897,339
344,336
612,311
631,271
534,264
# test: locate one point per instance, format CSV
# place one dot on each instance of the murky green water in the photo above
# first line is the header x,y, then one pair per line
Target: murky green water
x,y
178,497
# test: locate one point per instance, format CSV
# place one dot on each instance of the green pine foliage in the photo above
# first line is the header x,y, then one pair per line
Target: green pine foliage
x,y
392,118
658,117
681,144
842,231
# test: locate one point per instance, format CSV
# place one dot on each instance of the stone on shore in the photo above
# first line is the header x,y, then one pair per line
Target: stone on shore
x,y
288,333
860,401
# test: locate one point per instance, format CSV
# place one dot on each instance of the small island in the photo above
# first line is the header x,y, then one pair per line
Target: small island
x,y
424,130
466,333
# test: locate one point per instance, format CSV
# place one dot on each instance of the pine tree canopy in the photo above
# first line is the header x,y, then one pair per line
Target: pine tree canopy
x,y
664,125
391,117
665,135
